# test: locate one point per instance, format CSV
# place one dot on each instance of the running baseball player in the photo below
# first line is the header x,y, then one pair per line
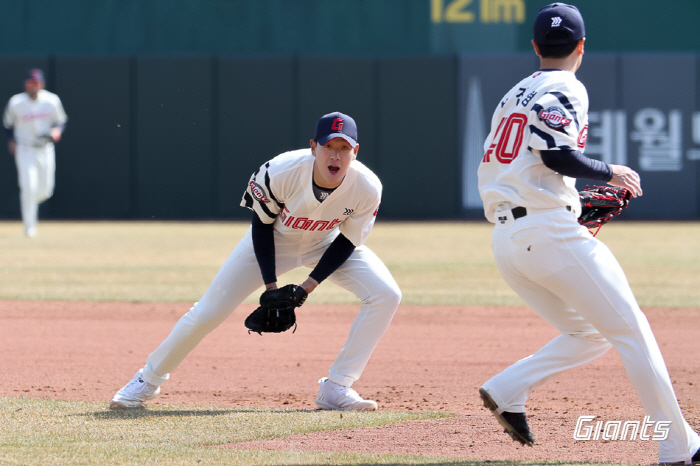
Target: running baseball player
x,y
34,120
311,207
533,154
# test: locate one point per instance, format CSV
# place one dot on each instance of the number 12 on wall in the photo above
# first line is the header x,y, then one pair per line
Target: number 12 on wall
x,y
454,12
490,11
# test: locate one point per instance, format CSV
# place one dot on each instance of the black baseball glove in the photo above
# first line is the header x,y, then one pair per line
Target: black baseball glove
x,y
601,204
276,311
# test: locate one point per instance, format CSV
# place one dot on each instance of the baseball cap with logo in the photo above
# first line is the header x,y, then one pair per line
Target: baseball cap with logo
x,y
35,74
558,24
336,125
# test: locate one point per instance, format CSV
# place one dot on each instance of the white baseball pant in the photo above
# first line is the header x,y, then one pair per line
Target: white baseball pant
x,y
364,274
36,169
573,281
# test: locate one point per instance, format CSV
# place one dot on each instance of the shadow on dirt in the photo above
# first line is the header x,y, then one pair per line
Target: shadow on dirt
x,y
137,413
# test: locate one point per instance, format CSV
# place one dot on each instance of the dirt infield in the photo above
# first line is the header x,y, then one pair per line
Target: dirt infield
x,y
432,358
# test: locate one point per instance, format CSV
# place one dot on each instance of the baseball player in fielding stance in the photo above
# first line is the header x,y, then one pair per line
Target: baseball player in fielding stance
x,y
34,120
533,154
311,207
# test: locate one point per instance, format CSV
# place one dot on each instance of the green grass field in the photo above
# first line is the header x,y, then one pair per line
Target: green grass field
x,y
47,432
434,263
40,432
446,263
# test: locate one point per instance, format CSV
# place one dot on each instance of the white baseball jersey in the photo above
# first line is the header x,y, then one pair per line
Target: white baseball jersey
x,y
281,192
548,110
568,277
32,119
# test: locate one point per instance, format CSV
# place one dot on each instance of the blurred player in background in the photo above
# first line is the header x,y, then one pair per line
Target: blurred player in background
x,y
34,121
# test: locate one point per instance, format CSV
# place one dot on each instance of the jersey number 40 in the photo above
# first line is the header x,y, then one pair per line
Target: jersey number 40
x,y
506,143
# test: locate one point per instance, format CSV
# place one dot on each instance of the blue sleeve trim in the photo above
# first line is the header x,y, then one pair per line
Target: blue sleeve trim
x,y
548,138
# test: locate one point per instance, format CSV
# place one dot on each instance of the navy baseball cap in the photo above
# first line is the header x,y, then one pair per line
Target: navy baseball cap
x,y
336,125
558,24
35,74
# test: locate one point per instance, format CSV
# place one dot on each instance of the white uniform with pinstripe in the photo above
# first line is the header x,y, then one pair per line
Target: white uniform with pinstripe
x,y
567,276
281,192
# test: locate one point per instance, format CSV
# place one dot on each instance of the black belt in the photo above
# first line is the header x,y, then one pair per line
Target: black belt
x,y
519,212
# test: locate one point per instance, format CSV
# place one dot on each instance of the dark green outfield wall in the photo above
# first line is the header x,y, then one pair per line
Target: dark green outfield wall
x,y
173,103
178,137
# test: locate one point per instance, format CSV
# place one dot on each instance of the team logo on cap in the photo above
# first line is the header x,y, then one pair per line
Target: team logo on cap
x,y
556,21
258,192
554,117
337,124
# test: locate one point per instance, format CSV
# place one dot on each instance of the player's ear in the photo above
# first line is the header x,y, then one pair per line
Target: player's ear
x,y
355,150
537,49
579,46
312,143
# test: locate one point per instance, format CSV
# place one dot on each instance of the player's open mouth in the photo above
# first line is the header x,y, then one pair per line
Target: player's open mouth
x,y
333,170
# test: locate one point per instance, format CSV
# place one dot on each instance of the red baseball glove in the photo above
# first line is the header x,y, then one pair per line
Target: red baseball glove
x,y
601,204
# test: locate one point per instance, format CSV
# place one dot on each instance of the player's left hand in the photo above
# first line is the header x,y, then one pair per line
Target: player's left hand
x,y
55,134
276,312
625,177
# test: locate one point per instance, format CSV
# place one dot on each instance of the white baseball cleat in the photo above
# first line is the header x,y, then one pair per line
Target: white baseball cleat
x,y
133,394
334,396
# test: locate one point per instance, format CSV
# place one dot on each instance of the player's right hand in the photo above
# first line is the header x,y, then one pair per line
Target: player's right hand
x,y
625,177
309,285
